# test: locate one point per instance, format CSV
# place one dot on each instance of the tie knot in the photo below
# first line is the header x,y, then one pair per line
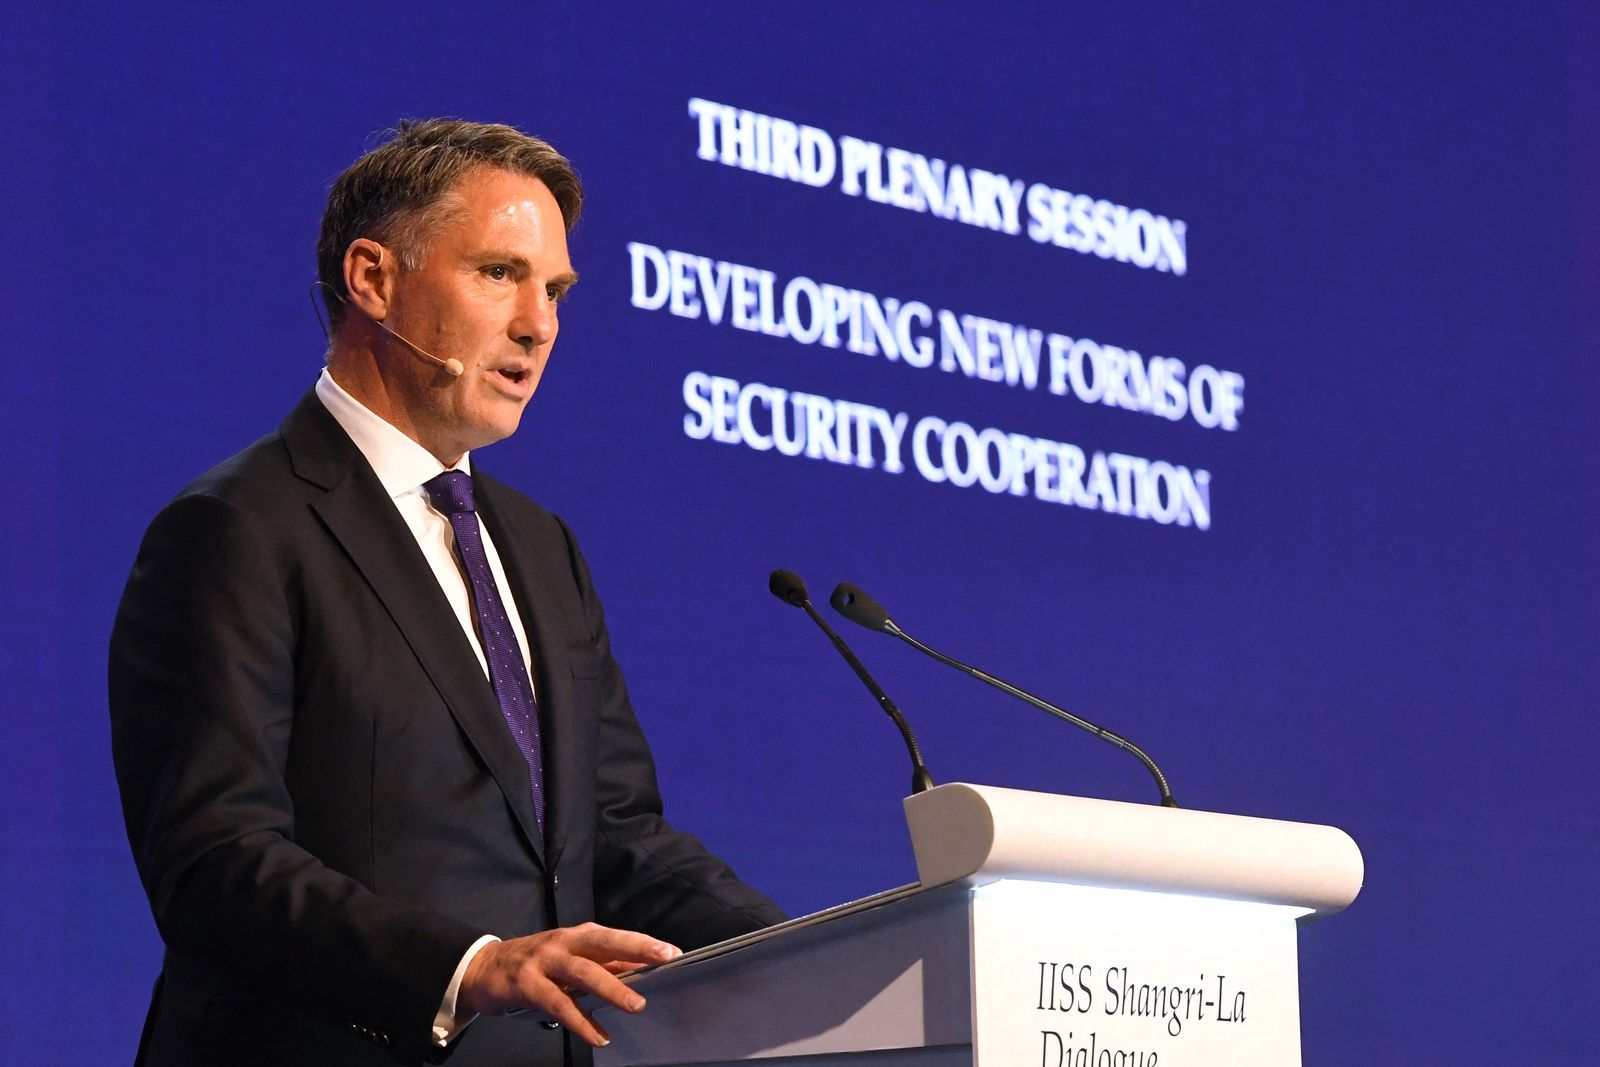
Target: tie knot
x,y
451,492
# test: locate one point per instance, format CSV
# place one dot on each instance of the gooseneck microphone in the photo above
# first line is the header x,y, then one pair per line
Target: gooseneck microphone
x,y
862,610
787,587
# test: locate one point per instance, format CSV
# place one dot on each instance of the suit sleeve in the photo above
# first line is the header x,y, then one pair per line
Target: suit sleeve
x,y
202,691
649,876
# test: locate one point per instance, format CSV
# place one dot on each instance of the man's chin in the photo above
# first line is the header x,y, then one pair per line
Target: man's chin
x,y
492,433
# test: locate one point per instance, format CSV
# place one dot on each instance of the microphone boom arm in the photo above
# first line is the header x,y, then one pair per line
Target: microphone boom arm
x,y
889,627
921,780
787,587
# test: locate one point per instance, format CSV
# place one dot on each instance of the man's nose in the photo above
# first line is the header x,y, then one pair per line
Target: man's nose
x,y
535,323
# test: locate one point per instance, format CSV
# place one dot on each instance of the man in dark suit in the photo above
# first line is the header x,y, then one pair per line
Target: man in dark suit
x,y
378,765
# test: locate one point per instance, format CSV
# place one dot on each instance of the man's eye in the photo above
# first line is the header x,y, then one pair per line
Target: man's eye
x,y
499,272
556,294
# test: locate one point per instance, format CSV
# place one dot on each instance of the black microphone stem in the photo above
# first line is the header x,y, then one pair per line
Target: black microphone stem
x,y
1117,739
921,780
787,587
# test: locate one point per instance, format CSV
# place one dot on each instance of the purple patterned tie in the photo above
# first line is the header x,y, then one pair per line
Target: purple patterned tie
x,y
451,493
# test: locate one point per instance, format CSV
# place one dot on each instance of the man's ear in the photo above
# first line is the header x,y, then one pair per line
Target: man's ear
x,y
369,271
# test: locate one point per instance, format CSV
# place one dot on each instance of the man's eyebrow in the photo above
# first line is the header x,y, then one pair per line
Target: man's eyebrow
x,y
565,279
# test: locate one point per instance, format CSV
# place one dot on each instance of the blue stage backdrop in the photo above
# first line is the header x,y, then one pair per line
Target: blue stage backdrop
x,y
1227,375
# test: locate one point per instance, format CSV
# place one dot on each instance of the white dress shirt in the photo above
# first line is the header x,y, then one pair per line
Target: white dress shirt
x,y
404,467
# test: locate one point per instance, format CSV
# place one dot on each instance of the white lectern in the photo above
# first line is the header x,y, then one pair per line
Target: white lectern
x,y
1044,931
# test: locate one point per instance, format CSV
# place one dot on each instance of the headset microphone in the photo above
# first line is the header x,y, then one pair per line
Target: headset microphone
x,y
453,367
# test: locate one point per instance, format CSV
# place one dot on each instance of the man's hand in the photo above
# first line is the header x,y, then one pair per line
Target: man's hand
x,y
544,970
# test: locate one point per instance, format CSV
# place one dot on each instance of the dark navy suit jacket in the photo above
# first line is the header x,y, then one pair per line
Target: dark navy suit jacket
x,y
324,802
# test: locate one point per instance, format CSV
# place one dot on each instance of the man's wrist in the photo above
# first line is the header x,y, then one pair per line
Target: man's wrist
x,y
447,1022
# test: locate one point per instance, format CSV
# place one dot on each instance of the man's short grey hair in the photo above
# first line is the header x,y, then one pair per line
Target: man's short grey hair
x,y
403,191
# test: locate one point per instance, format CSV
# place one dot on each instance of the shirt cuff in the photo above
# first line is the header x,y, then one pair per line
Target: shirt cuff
x,y
446,1024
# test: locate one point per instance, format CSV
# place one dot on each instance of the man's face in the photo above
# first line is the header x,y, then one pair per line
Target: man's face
x,y
487,296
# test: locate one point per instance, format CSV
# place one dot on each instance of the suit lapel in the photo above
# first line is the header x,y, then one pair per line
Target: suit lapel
x,y
362,518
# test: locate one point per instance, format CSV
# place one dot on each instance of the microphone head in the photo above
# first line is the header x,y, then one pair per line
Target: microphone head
x,y
858,607
787,587
454,367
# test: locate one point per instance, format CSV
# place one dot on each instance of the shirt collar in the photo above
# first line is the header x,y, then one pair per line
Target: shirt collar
x,y
399,462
